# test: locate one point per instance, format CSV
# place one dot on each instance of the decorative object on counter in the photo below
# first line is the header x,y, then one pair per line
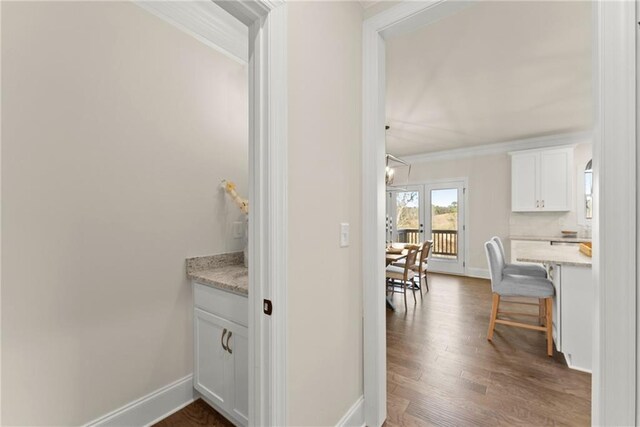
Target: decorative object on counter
x,y
586,248
243,205
230,188
569,233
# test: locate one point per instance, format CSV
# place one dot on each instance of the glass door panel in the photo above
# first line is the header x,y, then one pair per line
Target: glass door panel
x,y
405,223
444,223
444,209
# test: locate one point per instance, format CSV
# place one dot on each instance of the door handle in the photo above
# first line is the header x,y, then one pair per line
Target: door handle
x,y
537,203
222,339
228,346
543,203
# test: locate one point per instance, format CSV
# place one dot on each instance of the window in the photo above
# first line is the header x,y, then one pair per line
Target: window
x,y
588,191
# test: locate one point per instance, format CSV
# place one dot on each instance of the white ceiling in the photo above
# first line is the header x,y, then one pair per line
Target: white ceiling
x,y
494,72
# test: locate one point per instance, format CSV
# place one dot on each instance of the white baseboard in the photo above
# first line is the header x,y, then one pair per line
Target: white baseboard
x,y
480,273
152,407
354,416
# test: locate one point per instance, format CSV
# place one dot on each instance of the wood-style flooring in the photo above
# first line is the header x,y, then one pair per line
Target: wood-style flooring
x,y
441,370
197,413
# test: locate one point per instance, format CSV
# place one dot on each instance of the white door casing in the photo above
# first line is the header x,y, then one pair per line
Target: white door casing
x,y
266,20
615,222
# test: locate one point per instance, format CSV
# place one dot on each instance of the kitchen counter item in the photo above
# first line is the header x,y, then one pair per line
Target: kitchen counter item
x,y
586,248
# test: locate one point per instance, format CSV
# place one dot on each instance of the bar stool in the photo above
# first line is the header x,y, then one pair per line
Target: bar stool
x,y
512,285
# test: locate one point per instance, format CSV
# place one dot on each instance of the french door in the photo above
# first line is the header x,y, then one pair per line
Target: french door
x,y
405,215
445,224
433,211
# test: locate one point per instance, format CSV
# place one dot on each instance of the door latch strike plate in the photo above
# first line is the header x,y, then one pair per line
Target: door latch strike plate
x,y
267,307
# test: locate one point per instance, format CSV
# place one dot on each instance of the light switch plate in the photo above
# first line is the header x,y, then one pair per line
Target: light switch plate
x,y
238,232
344,234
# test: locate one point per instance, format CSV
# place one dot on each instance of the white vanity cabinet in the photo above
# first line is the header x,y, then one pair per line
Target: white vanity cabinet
x,y
541,180
221,351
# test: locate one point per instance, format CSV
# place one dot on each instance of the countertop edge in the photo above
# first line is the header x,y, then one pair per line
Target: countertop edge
x,y
549,261
218,285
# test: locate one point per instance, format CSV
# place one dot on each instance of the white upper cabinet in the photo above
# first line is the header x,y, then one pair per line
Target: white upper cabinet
x,y
541,180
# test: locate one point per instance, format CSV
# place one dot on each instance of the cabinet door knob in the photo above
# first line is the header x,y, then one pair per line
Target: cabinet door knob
x,y
222,339
543,203
228,346
537,203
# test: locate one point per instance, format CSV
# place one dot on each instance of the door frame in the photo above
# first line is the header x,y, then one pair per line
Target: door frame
x,y
422,186
463,214
615,224
414,187
267,66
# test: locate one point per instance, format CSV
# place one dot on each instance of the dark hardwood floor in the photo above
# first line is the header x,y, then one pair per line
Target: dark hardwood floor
x,y
196,414
442,371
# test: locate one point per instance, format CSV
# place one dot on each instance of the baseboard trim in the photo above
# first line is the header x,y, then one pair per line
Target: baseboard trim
x,y
480,273
150,408
354,416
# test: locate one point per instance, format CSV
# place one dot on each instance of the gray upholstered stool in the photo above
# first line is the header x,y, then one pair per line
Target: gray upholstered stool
x,y
523,269
512,285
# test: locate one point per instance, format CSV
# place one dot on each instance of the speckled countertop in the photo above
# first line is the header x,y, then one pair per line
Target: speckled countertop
x,y
564,255
551,239
225,271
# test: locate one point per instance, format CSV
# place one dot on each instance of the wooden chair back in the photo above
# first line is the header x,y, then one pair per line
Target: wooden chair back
x,y
410,260
426,249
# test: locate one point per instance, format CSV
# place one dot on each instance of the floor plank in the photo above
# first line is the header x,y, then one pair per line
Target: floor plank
x,y
466,380
197,413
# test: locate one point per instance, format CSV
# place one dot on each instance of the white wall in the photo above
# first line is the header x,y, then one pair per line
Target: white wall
x,y
489,198
117,129
325,285
488,193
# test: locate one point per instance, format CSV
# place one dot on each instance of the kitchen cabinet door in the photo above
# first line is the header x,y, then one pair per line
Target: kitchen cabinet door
x,y
524,187
555,180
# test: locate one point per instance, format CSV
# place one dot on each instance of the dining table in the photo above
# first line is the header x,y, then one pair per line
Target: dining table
x,y
391,257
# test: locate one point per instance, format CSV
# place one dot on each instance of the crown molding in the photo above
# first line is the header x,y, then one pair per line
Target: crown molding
x,y
503,147
207,22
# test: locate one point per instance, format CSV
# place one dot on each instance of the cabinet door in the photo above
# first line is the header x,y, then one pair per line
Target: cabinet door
x,y
211,359
239,345
524,187
555,273
555,180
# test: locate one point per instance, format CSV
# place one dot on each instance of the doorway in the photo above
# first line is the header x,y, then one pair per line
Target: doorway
x,y
615,263
432,211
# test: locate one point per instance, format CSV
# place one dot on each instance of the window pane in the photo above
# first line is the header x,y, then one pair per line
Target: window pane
x,y
444,222
588,190
408,216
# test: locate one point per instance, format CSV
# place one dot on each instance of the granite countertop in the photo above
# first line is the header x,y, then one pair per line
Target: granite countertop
x,y
226,272
564,255
552,239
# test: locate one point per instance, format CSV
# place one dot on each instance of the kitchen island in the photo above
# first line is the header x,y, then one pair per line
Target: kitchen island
x,y
573,310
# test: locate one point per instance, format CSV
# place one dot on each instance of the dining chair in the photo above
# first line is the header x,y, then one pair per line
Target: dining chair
x,y
420,265
512,285
403,275
524,269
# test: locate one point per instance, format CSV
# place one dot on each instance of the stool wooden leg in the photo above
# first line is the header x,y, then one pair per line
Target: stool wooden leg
x,y
549,324
541,311
494,314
